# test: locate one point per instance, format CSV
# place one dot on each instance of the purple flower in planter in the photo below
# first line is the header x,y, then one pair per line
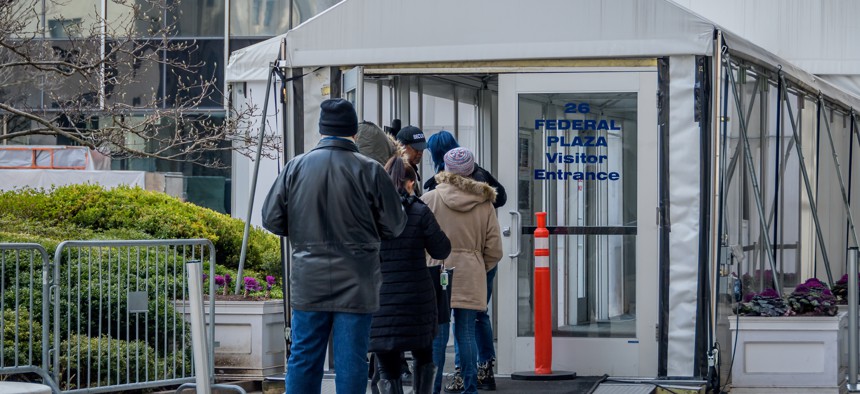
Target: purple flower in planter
x,y
270,281
251,284
769,293
814,282
227,278
802,288
219,280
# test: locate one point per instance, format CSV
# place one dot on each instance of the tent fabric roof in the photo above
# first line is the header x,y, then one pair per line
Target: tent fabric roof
x,y
366,32
360,32
749,50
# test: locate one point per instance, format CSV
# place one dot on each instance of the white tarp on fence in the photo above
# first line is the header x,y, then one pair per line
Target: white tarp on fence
x,y
16,179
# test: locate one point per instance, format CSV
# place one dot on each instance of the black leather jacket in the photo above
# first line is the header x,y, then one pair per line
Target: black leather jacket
x,y
336,205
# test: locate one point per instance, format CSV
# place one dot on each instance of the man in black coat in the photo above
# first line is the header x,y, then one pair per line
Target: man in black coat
x,y
336,205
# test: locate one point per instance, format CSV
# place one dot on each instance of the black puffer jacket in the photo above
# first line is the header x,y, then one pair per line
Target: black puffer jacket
x,y
406,318
335,204
480,175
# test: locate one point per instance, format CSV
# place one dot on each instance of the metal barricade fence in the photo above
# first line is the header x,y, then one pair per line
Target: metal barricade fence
x,y
24,314
118,320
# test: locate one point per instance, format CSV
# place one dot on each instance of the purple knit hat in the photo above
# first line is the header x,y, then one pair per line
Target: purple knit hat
x,y
460,161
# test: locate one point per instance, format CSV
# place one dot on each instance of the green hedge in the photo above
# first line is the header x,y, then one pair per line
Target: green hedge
x,y
91,212
86,212
103,361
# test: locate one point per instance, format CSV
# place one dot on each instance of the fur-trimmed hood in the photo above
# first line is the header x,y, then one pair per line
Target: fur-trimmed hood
x,y
462,194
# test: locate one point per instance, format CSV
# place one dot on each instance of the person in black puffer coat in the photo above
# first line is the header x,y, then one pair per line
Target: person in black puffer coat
x,y
407,317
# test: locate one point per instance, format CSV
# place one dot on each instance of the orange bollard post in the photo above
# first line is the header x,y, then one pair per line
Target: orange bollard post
x,y
543,310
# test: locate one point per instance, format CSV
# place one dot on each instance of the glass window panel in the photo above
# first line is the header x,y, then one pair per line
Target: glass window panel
x,y
467,130
198,18
438,107
165,129
76,90
307,9
202,75
260,17
137,19
414,112
581,170
387,103
21,89
239,43
28,11
371,102
134,75
775,168
76,18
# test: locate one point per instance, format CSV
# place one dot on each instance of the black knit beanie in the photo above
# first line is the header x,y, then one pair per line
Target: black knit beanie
x,y
338,118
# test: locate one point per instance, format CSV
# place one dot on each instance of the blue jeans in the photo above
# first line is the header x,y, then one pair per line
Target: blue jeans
x,y
464,337
483,329
310,334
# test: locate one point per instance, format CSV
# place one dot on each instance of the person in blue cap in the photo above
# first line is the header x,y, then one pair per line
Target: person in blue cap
x,y
439,144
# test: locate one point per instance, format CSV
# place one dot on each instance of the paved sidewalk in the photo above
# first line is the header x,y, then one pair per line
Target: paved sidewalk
x,y
580,385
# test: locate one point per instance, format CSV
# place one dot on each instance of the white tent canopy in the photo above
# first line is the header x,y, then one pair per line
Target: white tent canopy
x,y
411,31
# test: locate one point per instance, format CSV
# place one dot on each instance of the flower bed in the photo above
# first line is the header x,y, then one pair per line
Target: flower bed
x,y
792,344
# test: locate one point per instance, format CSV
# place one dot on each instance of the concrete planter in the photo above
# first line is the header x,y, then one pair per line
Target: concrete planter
x,y
796,354
249,337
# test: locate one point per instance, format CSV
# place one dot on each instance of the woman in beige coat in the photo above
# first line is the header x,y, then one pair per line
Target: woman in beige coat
x,y
464,209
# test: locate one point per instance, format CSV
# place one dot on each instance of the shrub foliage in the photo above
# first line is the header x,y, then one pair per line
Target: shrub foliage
x,y
94,317
91,212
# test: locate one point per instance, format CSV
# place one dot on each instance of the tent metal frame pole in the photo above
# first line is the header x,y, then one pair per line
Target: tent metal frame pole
x,y
812,204
716,172
246,232
839,175
730,174
852,321
752,176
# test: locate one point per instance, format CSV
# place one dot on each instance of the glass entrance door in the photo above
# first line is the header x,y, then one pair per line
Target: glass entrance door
x,y
583,148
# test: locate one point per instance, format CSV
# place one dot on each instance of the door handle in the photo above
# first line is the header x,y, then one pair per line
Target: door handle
x,y
518,239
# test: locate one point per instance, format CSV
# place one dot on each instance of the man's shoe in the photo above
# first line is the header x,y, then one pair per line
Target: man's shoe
x,y
486,379
455,384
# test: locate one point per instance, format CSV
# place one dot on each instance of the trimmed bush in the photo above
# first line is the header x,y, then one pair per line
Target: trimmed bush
x,y
91,212
102,361
16,341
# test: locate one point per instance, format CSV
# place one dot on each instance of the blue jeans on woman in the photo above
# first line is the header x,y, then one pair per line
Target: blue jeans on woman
x,y
310,332
483,329
464,337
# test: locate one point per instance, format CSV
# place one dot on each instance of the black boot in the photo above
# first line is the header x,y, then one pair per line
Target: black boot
x,y
486,379
423,378
393,386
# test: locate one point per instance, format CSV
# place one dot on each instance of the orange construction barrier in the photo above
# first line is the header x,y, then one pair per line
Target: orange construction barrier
x,y
543,310
543,302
